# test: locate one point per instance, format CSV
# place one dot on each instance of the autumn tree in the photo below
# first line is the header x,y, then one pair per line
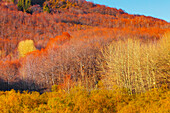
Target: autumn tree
x,y
25,47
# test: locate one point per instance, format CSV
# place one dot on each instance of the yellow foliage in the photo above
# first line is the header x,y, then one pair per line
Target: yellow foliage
x,y
25,47
79,100
138,64
135,65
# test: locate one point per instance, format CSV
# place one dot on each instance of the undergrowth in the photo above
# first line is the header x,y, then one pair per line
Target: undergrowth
x,y
79,100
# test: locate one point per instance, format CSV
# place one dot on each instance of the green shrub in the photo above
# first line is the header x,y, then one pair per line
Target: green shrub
x,y
23,5
46,8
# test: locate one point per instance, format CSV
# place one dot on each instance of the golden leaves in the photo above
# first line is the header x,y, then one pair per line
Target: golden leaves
x,y
25,47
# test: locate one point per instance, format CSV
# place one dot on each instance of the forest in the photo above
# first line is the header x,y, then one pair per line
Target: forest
x,y
76,56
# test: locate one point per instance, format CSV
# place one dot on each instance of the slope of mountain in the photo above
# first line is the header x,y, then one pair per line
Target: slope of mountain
x,y
87,28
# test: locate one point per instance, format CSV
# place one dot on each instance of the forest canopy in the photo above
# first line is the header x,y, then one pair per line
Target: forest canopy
x,y
77,56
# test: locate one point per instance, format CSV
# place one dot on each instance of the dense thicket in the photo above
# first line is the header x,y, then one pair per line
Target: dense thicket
x,y
77,56
68,58
80,100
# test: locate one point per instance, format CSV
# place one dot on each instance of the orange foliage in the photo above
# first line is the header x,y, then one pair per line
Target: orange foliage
x,y
91,27
59,40
67,84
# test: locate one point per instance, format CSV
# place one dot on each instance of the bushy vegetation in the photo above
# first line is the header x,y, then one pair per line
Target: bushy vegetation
x,y
135,65
95,58
23,5
79,100
25,47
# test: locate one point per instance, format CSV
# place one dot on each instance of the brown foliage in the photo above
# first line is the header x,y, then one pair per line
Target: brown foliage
x,y
9,73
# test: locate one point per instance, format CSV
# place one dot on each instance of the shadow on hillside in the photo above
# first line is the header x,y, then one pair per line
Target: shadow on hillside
x,y
40,2
21,85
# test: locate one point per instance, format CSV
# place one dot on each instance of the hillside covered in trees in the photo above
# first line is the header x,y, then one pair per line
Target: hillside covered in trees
x,y
67,49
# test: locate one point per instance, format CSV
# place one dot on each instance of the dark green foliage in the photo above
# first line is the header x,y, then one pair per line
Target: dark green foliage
x,y
46,8
23,5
